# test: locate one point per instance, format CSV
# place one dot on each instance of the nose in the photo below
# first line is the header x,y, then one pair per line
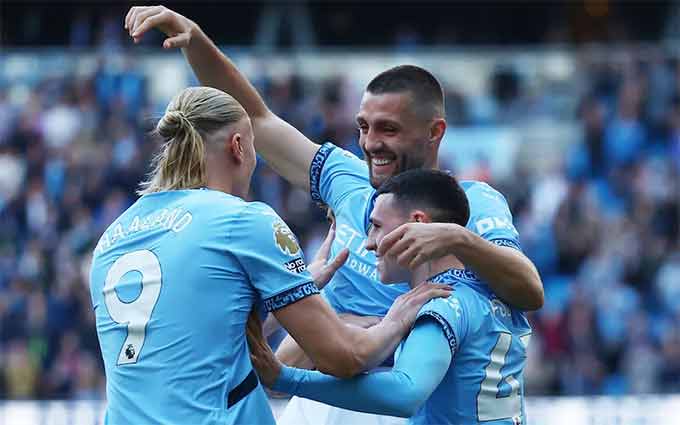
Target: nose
x,y
371,243
372,143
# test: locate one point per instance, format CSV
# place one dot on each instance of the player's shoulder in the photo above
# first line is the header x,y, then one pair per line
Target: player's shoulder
x,y
480,188
337,155
202,202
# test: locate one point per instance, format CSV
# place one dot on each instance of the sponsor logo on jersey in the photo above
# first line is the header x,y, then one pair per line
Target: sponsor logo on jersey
x,y
296,266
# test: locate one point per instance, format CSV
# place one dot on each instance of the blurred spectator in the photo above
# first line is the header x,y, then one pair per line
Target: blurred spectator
x,y
601,223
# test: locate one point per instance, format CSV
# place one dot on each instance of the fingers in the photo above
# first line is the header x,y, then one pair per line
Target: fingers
x,y
178,41
429,292
338,261
393,237
131,12
405,257
325,248
142,26
143,15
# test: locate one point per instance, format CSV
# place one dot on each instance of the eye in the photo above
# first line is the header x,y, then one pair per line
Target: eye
x,y
363,128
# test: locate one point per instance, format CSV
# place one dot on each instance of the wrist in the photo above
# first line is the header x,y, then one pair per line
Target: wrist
x,y
395,326
461,240
284,380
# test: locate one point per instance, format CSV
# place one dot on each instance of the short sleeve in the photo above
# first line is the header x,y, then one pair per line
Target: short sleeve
x,y
271,257
450,314
335,173
490,215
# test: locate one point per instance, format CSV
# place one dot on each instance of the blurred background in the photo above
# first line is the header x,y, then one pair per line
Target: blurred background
x,y
570,109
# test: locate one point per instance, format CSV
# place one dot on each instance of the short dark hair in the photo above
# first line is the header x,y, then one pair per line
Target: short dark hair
x,y
424,87
434,191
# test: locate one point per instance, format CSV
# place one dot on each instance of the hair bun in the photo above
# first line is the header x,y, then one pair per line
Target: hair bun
x,y
172,124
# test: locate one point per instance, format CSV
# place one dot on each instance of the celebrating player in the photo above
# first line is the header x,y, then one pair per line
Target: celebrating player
x,y
174,278
487,338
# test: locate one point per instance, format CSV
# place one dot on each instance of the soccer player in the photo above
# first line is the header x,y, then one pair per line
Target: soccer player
x,y
401,124
462,362
175,277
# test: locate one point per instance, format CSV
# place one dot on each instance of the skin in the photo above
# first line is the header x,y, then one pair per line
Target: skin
x,y
412,143
386,216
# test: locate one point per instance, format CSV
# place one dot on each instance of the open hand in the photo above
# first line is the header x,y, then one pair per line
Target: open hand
x,y
321,270
406,307
413,244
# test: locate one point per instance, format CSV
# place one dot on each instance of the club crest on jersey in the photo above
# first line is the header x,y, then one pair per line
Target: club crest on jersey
x,y
285,239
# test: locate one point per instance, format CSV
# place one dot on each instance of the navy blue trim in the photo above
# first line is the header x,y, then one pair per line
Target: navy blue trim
x,y
290,296
448,332
506,242
315,169
243,389
453,275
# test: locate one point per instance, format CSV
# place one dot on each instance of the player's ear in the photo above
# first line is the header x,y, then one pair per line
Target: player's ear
x,y
420,216
236,147
437,130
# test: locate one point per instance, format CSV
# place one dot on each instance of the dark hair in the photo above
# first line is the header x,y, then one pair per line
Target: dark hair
x,y
434,191
424,87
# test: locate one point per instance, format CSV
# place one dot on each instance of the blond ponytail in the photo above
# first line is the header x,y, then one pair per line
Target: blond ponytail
x,y
190,117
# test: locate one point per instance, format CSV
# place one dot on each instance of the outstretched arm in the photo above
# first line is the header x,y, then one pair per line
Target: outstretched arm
x,y
423,362
284,148
343,350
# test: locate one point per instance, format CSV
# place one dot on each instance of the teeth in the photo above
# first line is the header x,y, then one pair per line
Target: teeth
x,y
381,161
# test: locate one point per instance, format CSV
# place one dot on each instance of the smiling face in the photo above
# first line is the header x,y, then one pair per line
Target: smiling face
x,y
385,217
393,136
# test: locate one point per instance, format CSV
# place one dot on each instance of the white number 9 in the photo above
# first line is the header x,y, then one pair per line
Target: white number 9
x,y
135,314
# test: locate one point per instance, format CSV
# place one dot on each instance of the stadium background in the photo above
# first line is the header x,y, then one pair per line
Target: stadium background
x,y
571,110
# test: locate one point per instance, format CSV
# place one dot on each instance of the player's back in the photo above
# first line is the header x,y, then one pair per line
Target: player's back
x,y
171,300
484,383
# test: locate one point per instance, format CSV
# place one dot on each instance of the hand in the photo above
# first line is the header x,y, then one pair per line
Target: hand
x,y
261,355
413,244
319,268
359,321
406,306
264,360
141,19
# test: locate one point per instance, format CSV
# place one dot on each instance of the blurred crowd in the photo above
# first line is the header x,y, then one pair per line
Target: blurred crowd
x,y
602,225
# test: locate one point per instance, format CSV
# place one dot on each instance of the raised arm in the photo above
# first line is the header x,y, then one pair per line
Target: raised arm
x,y
284,148
424,360
343,350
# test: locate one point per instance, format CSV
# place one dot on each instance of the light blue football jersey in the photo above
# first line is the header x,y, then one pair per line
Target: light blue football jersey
x,y
340,180
488,340
173,280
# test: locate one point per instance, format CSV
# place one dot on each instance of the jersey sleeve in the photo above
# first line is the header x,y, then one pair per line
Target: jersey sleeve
x,y
490,215
449,313
271,257
422,365
335,173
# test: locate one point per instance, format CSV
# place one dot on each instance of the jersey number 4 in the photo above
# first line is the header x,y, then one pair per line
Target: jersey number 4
x,y
491,405
135,314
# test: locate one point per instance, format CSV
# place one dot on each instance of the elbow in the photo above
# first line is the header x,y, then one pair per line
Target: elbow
x,y
406,410
343,365
408,403
341,369
537,299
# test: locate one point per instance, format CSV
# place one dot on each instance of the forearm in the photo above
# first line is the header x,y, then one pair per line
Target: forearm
x,y
373,345
362,393
214,69
291,354
509,273
423,363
